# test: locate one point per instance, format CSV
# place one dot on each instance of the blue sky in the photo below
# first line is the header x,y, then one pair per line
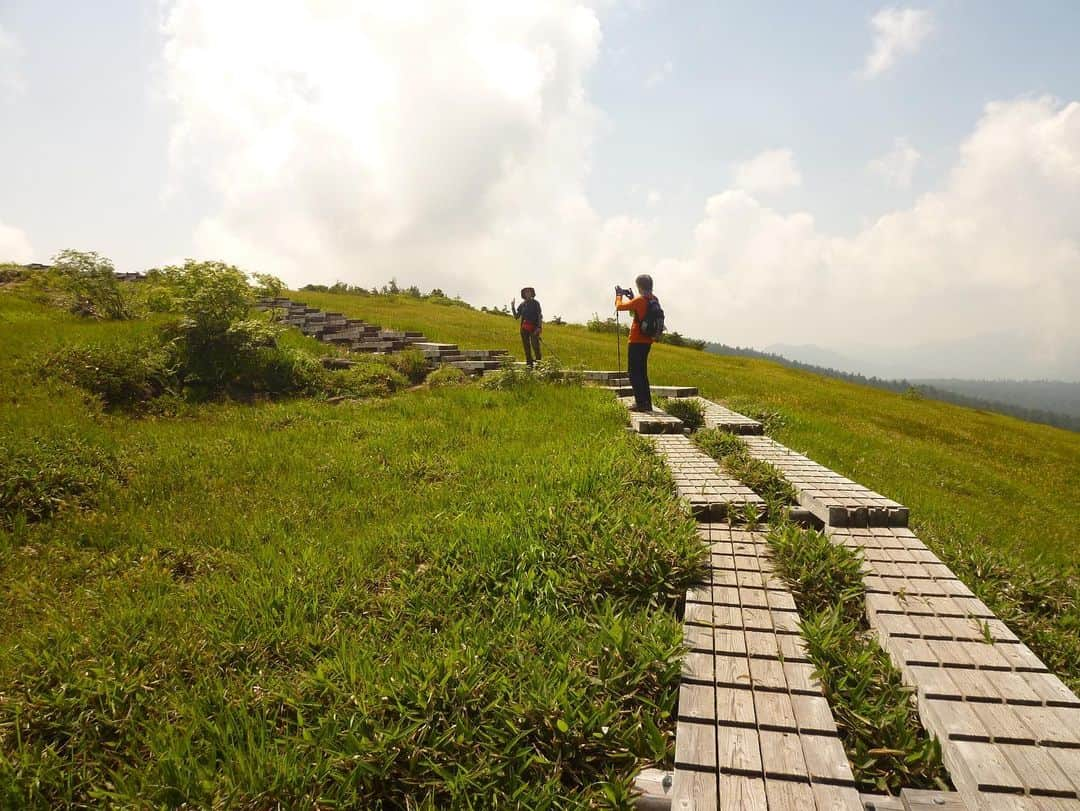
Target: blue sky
x,y
742,153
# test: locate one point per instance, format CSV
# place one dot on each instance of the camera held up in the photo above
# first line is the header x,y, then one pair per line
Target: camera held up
x,y
624,291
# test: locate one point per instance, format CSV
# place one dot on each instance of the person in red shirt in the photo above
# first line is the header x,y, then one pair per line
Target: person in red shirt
x,y
639,344
532,322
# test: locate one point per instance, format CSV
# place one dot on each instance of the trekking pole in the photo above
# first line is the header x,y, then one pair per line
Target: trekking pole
x,y
547,351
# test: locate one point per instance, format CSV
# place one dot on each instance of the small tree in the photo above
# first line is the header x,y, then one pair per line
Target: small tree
x,y
213,340
212,295
267,285
90,280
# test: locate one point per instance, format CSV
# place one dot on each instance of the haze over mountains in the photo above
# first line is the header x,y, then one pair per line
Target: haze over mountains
x,y
993,356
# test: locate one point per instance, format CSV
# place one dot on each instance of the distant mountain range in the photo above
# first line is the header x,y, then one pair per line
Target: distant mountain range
x,y
1052,402
991,356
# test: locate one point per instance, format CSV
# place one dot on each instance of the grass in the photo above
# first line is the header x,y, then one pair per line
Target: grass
x,y
761,477
417,601
691,412
883,737
993,496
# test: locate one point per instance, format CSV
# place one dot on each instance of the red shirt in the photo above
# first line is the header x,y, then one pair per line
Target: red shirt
x,y
639,307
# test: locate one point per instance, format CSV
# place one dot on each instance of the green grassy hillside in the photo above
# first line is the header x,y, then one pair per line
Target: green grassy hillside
x,y
424,599
419,601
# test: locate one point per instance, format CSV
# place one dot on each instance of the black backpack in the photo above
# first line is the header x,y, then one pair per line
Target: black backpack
x,y
652,325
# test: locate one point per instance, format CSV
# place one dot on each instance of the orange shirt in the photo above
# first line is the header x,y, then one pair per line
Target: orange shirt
x,y
638,306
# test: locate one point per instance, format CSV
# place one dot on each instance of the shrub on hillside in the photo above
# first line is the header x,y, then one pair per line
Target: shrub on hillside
x,y
267,285
609,324
370,377
675,339
10,272
39,476
447,376
277,370
412,364
690,411
212,295
88,284
511,377
123,376
550,370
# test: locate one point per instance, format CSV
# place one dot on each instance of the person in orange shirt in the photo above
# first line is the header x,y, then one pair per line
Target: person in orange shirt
x,y
639,344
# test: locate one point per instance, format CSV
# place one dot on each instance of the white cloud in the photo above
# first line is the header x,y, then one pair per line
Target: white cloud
x,y
659,75
769,171
445,144
350,142
897,166
14,245
995,250
897,31
11,80
654,197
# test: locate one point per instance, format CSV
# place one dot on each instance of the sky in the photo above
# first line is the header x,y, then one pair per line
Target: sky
x,y
897,184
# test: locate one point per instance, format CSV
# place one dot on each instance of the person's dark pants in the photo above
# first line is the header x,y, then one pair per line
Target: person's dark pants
x,y
637,366
531,342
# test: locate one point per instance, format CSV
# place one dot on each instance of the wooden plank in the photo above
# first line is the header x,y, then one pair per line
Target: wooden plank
x,y
738,751
695,791
813,715
789,795
735,706
743,792
697,702
1068,760
1037,768
836,798
782,755
695,746
774,711
923,800
1003,723
952,720
698,666
826,760
981,767
767,674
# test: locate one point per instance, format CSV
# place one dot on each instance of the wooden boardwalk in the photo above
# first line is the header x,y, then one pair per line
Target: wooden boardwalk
x,y
717,416
702,484
754,729
1007,725
652,422
835,500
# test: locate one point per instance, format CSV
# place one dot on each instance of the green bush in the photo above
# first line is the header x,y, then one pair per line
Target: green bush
x,y
267,285
212,296
10,272
40,476
550,370
609,324
412,364
511,377
90,284
370,377
447,376
158,298
277,370
690,411
123,376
